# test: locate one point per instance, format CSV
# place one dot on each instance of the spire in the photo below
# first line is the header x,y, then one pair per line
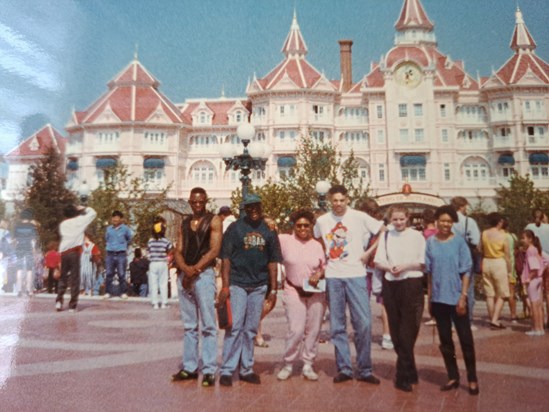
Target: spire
x,y
521,40
294,44
412,16
136,52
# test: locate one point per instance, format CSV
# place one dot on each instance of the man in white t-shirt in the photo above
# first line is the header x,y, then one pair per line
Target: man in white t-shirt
x,y
342,231
540,229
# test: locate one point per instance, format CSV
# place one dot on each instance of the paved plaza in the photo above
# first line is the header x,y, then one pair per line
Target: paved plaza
x,y
118,356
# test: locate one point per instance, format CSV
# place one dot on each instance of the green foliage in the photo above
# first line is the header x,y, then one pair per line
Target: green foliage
x,y
315,161
517,201
130,195
48,196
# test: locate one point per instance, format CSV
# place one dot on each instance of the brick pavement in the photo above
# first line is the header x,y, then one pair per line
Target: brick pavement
x,y
118,356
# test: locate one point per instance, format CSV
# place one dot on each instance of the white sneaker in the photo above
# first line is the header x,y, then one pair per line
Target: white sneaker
x,y
124,296
164,306
431,322
309,373
155,306
107,296
387,343
474,328
58,306
285,373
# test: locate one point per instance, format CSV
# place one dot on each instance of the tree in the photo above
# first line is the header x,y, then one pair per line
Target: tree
x,y
315,161
130,195
47,196
518,200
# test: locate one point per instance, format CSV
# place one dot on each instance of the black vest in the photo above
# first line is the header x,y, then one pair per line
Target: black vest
x,y
196,243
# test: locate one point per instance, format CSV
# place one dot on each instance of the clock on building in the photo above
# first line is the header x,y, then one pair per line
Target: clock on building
x,y
408,74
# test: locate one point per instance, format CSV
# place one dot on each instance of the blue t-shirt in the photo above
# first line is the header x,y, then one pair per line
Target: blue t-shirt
x,y
117,239
445,261
157,249
250,247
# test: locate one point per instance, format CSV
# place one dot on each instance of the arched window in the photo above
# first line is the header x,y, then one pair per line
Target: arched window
x,y
202,173
475,169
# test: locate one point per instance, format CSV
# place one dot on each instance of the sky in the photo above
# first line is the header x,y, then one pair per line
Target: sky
x,y
59,55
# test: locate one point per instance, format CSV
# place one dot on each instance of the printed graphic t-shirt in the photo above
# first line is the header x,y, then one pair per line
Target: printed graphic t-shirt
x,y
343,237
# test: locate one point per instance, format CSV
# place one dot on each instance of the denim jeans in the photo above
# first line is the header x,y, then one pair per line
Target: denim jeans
x,y
158,279
471,296
352,292
116,262
194,304
238,345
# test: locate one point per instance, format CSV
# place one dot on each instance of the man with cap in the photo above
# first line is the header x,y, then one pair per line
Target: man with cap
x,y
250,252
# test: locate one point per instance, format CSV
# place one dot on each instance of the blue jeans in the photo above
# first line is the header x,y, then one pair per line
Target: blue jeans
x,y
116,262
238,345
350,292
471,297
194,304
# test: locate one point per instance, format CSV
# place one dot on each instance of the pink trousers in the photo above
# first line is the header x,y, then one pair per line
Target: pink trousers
x,y
304,317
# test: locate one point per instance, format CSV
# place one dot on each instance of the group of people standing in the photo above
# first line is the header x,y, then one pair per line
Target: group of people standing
x,y
324,259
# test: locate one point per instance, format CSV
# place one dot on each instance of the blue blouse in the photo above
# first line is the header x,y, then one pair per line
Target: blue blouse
x,y
445,261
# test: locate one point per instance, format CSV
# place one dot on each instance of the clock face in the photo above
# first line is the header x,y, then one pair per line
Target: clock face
x,y
408,74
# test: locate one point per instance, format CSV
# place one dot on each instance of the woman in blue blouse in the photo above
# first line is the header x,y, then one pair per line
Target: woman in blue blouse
x,y
448,265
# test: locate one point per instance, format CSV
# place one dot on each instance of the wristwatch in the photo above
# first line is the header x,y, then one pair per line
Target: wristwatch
x,y
273,291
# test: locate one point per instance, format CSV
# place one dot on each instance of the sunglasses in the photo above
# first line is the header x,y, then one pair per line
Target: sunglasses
x,y
302,225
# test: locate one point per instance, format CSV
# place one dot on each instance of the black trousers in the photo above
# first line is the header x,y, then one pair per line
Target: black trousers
x,y
52,282
404,304
445,315
70,272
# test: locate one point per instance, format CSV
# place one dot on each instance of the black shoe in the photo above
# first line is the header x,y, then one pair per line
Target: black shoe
x,y
251,378
226,380
453,384
403,386
184,375
369,379
208,380
475,390
342,377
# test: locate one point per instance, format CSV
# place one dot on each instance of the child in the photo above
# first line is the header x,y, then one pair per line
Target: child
x,y
52,263
532,279
158,249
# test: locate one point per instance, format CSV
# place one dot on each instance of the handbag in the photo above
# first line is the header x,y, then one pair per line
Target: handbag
x,y
224,314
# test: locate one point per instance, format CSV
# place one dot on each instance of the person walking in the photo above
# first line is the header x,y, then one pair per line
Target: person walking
x,y
532,278
77,218
198,245
250,254
343,231
89,261
117,239
25,236
448,265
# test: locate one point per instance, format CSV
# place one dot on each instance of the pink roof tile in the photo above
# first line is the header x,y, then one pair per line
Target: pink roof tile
x,y
220,109
413,16
294,43
46,137
402,53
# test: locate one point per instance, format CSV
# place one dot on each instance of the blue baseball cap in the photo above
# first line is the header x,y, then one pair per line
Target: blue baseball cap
x,y
251,199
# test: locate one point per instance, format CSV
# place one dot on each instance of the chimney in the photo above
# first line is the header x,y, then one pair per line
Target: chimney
x,y
346,64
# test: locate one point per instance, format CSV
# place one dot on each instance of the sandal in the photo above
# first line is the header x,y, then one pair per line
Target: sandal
x,y
496,326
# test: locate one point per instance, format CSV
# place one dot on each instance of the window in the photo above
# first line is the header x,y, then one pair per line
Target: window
x,y
202,118
403,133
419,135
447,172
415,173
539,171
379,110
107,138
402,110
153,177
380,136
507,171
381,172
527,105
203,173
281,111
238,116
155,138
418,109
442,110
476,171
444,135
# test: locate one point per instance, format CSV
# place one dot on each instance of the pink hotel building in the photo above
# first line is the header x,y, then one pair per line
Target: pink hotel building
x,y
416,117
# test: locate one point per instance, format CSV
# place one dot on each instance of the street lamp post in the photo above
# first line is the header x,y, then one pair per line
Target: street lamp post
x,y
322,188
253,157
84,193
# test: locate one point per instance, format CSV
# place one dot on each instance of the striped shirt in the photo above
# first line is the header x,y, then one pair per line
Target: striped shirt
x,y
158,249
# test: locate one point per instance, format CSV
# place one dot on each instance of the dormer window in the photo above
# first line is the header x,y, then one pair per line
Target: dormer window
x,y
202,118
34,145
238,116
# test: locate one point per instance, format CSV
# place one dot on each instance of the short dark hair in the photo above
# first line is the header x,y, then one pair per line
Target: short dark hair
x,y
198,190
446,210
428,216
137,253
70,211
338,189
371,207
117,213
458,202
302,214
493,219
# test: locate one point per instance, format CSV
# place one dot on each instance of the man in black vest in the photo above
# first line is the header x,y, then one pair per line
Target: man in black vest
x,y
197,247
